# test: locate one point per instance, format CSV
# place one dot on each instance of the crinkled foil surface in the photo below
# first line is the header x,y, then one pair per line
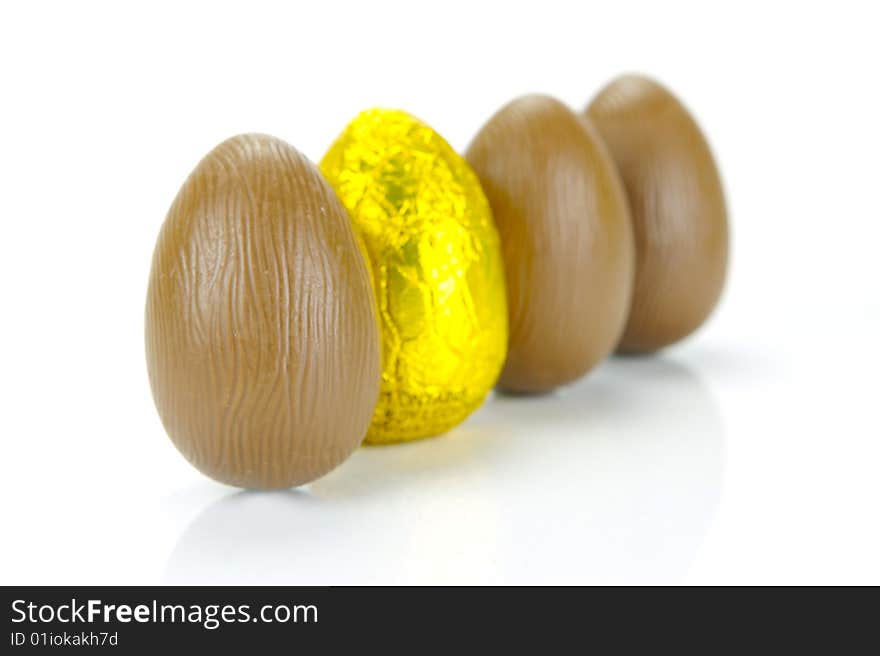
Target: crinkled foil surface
x,y
437,269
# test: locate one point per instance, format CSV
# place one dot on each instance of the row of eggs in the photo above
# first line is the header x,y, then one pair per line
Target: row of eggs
x,y
294,312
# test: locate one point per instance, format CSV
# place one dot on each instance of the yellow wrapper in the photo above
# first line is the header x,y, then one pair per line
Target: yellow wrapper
x,y
435,255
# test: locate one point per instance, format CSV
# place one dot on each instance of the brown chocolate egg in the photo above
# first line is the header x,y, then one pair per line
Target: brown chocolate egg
x,y
677,205
261,331
566,239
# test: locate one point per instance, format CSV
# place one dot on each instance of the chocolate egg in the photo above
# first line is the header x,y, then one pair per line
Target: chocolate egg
x,y
566,239
261,331
437,269
677,205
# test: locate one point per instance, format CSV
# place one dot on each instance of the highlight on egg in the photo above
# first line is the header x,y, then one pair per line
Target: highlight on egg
x,y
678,209
429,235
566,239
262,339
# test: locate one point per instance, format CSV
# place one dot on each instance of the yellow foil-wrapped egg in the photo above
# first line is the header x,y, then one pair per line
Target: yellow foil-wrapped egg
x,y
436,263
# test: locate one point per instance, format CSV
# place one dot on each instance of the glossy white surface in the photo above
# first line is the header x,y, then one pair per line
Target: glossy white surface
x,y
747,454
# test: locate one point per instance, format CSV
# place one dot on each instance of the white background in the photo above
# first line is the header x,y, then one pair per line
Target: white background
x,y
748,454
